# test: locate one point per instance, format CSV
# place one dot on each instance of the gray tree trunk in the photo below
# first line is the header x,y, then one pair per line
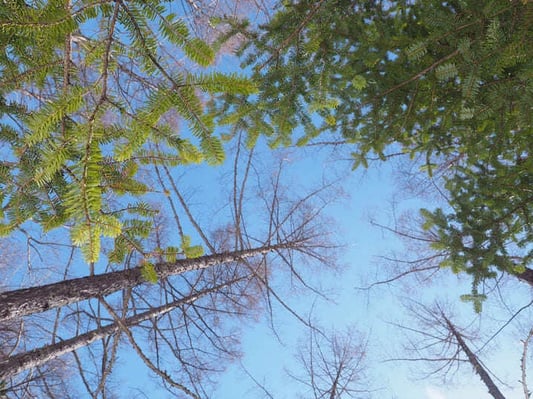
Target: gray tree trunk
x,y
32,300
472,358
24,361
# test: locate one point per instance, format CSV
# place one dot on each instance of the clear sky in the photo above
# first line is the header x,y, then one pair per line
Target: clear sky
x,y
369,195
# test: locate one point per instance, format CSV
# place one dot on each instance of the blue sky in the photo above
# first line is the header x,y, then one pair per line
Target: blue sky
x,y
370,194
268,353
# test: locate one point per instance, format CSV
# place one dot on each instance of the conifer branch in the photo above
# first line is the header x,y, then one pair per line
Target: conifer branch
x,y
163,71
418,75
294,33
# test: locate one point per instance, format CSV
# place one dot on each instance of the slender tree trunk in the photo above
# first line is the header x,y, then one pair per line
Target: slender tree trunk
x,y
472,358
333,393
32,300
23,361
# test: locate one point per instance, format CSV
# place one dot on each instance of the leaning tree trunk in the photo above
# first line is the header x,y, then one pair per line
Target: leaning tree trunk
x,y
24,361
32,300
472,358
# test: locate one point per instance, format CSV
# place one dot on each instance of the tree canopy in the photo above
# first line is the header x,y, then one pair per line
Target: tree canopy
x,y
450,81
102,100
88,96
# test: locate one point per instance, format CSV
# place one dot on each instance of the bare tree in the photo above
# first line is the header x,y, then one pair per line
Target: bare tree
x,y
523,362
333,365
189,344
38,299
444,345
23,361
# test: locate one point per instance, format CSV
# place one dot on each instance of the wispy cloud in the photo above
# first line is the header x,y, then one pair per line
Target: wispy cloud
x,y
434,393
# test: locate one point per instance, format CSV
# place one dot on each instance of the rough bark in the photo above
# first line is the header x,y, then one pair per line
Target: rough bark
x,y
472,358
32,300
24,361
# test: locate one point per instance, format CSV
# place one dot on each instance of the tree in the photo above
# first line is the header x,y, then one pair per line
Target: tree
x,y
445,347
23,361
332,365
195,336
81,112
27,301
99,102
448,81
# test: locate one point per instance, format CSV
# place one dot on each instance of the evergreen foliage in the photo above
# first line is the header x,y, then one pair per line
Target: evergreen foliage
x,y
451,81
87,91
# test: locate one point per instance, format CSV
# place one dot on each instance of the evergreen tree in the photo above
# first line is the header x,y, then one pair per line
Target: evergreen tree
x,y
86,94
450,81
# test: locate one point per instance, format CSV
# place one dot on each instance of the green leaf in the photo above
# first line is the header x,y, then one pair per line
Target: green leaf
x,y
189,251
416,51
171,253
41,124
476,299
446,71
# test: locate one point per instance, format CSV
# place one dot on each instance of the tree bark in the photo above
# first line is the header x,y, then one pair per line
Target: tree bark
x,y
526,276
32,300
472,358
23,361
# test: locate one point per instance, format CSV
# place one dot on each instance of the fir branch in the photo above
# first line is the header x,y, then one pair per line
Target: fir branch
x,y
163,71
294,33
416,77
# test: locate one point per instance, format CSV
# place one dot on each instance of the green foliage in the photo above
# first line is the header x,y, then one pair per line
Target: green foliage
x,y
148,272
476,299
190,251
416,51
83,113
446,71
171,253
451,81
488,228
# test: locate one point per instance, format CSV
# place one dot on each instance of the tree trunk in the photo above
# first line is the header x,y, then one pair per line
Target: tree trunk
x,y
32,300
333,393
472,358
526,276
23,361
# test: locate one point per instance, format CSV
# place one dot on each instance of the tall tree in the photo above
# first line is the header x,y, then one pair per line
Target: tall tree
x,y
193,337
27,301
436,340
23,361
